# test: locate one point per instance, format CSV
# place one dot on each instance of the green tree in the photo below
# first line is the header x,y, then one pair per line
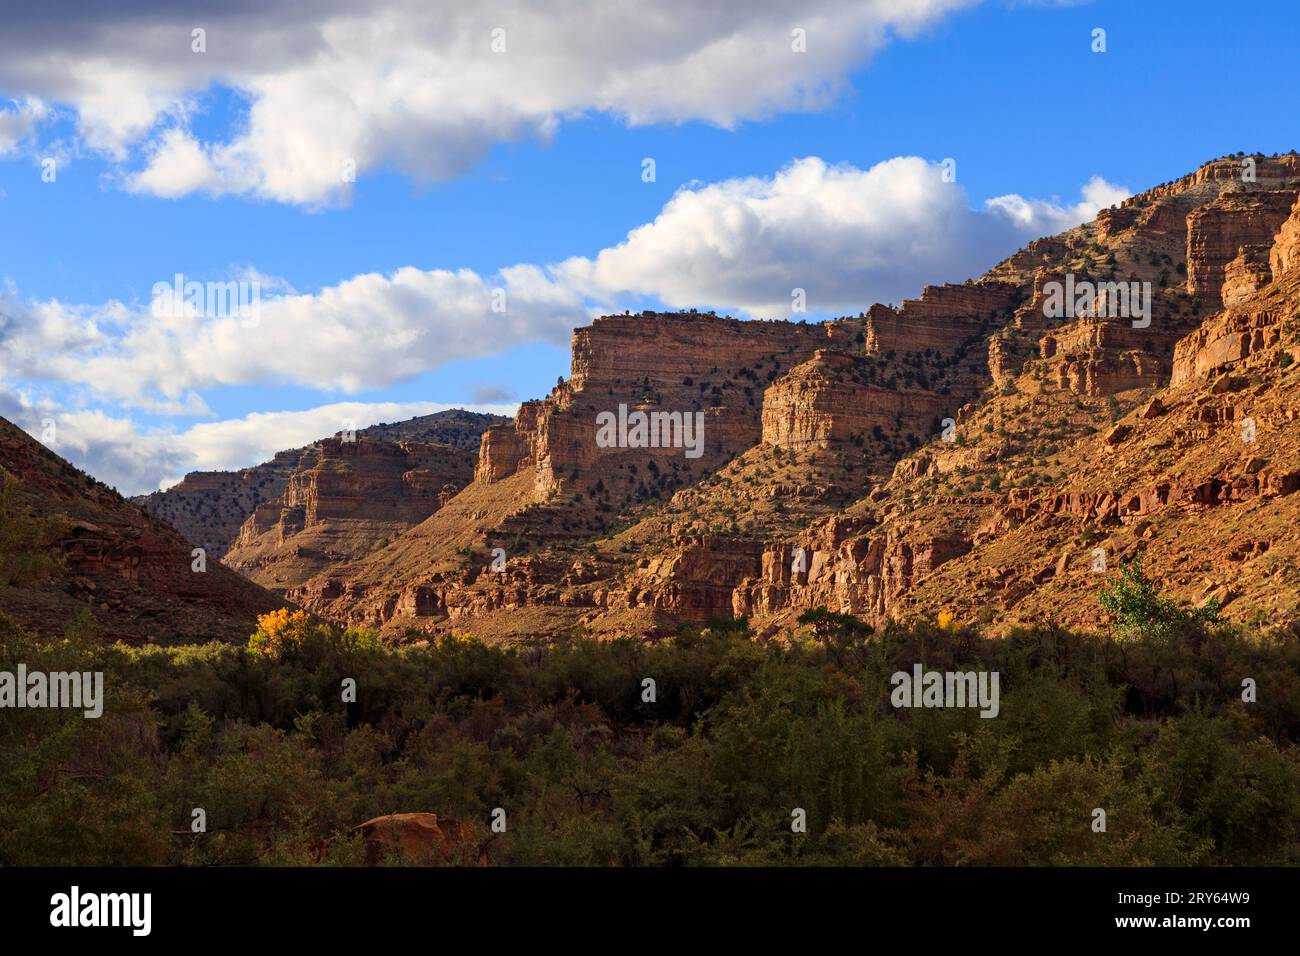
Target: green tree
x,y
1140,611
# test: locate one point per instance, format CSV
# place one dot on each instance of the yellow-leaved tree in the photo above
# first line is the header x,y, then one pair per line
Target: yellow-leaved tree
x,y
280,632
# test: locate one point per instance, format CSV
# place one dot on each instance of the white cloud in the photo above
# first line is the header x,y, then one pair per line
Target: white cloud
x,y
177,166
1045,218
418,86
369,331
846,236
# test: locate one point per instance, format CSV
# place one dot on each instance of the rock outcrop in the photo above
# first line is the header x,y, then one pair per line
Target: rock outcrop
x,y
944,319
1246,274
1223,341
421,839
1284,256
208,507
858,387
1218,231
831,398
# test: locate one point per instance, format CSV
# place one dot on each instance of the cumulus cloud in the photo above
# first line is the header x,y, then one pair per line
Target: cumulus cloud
x,y
425,87
137,460
370,331
846,236
1045,218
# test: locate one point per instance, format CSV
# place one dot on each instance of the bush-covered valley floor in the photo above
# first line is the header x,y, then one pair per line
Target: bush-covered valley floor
x,y
1144,719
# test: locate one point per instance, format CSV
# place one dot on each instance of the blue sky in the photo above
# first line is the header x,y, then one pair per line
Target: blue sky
x,y
1011,91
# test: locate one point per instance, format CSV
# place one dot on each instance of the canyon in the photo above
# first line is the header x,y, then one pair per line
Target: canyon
x,y
1064,435
343,499
966,450
972,450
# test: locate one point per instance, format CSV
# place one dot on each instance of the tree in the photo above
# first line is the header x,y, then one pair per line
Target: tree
x,y
835,630
1140,611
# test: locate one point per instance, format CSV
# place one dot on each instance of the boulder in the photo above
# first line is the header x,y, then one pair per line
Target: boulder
x,y
422,839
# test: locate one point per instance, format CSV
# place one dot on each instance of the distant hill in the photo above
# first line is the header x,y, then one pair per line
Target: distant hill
x,y
344,500
208,507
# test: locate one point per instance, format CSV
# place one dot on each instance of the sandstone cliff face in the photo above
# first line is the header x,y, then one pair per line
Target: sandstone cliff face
x,y
1200,479
622,349
345,499
665,362
859,386
1159,219
1103,357
1225,340
1246,274
380,481
503,450
208,507
682,364
548,479
1258,293
1216,173
943,319
1284,256
691,580
829,398
1217,232
858,572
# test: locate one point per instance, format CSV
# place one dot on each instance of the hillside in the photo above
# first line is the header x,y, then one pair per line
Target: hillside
x,y
70,544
